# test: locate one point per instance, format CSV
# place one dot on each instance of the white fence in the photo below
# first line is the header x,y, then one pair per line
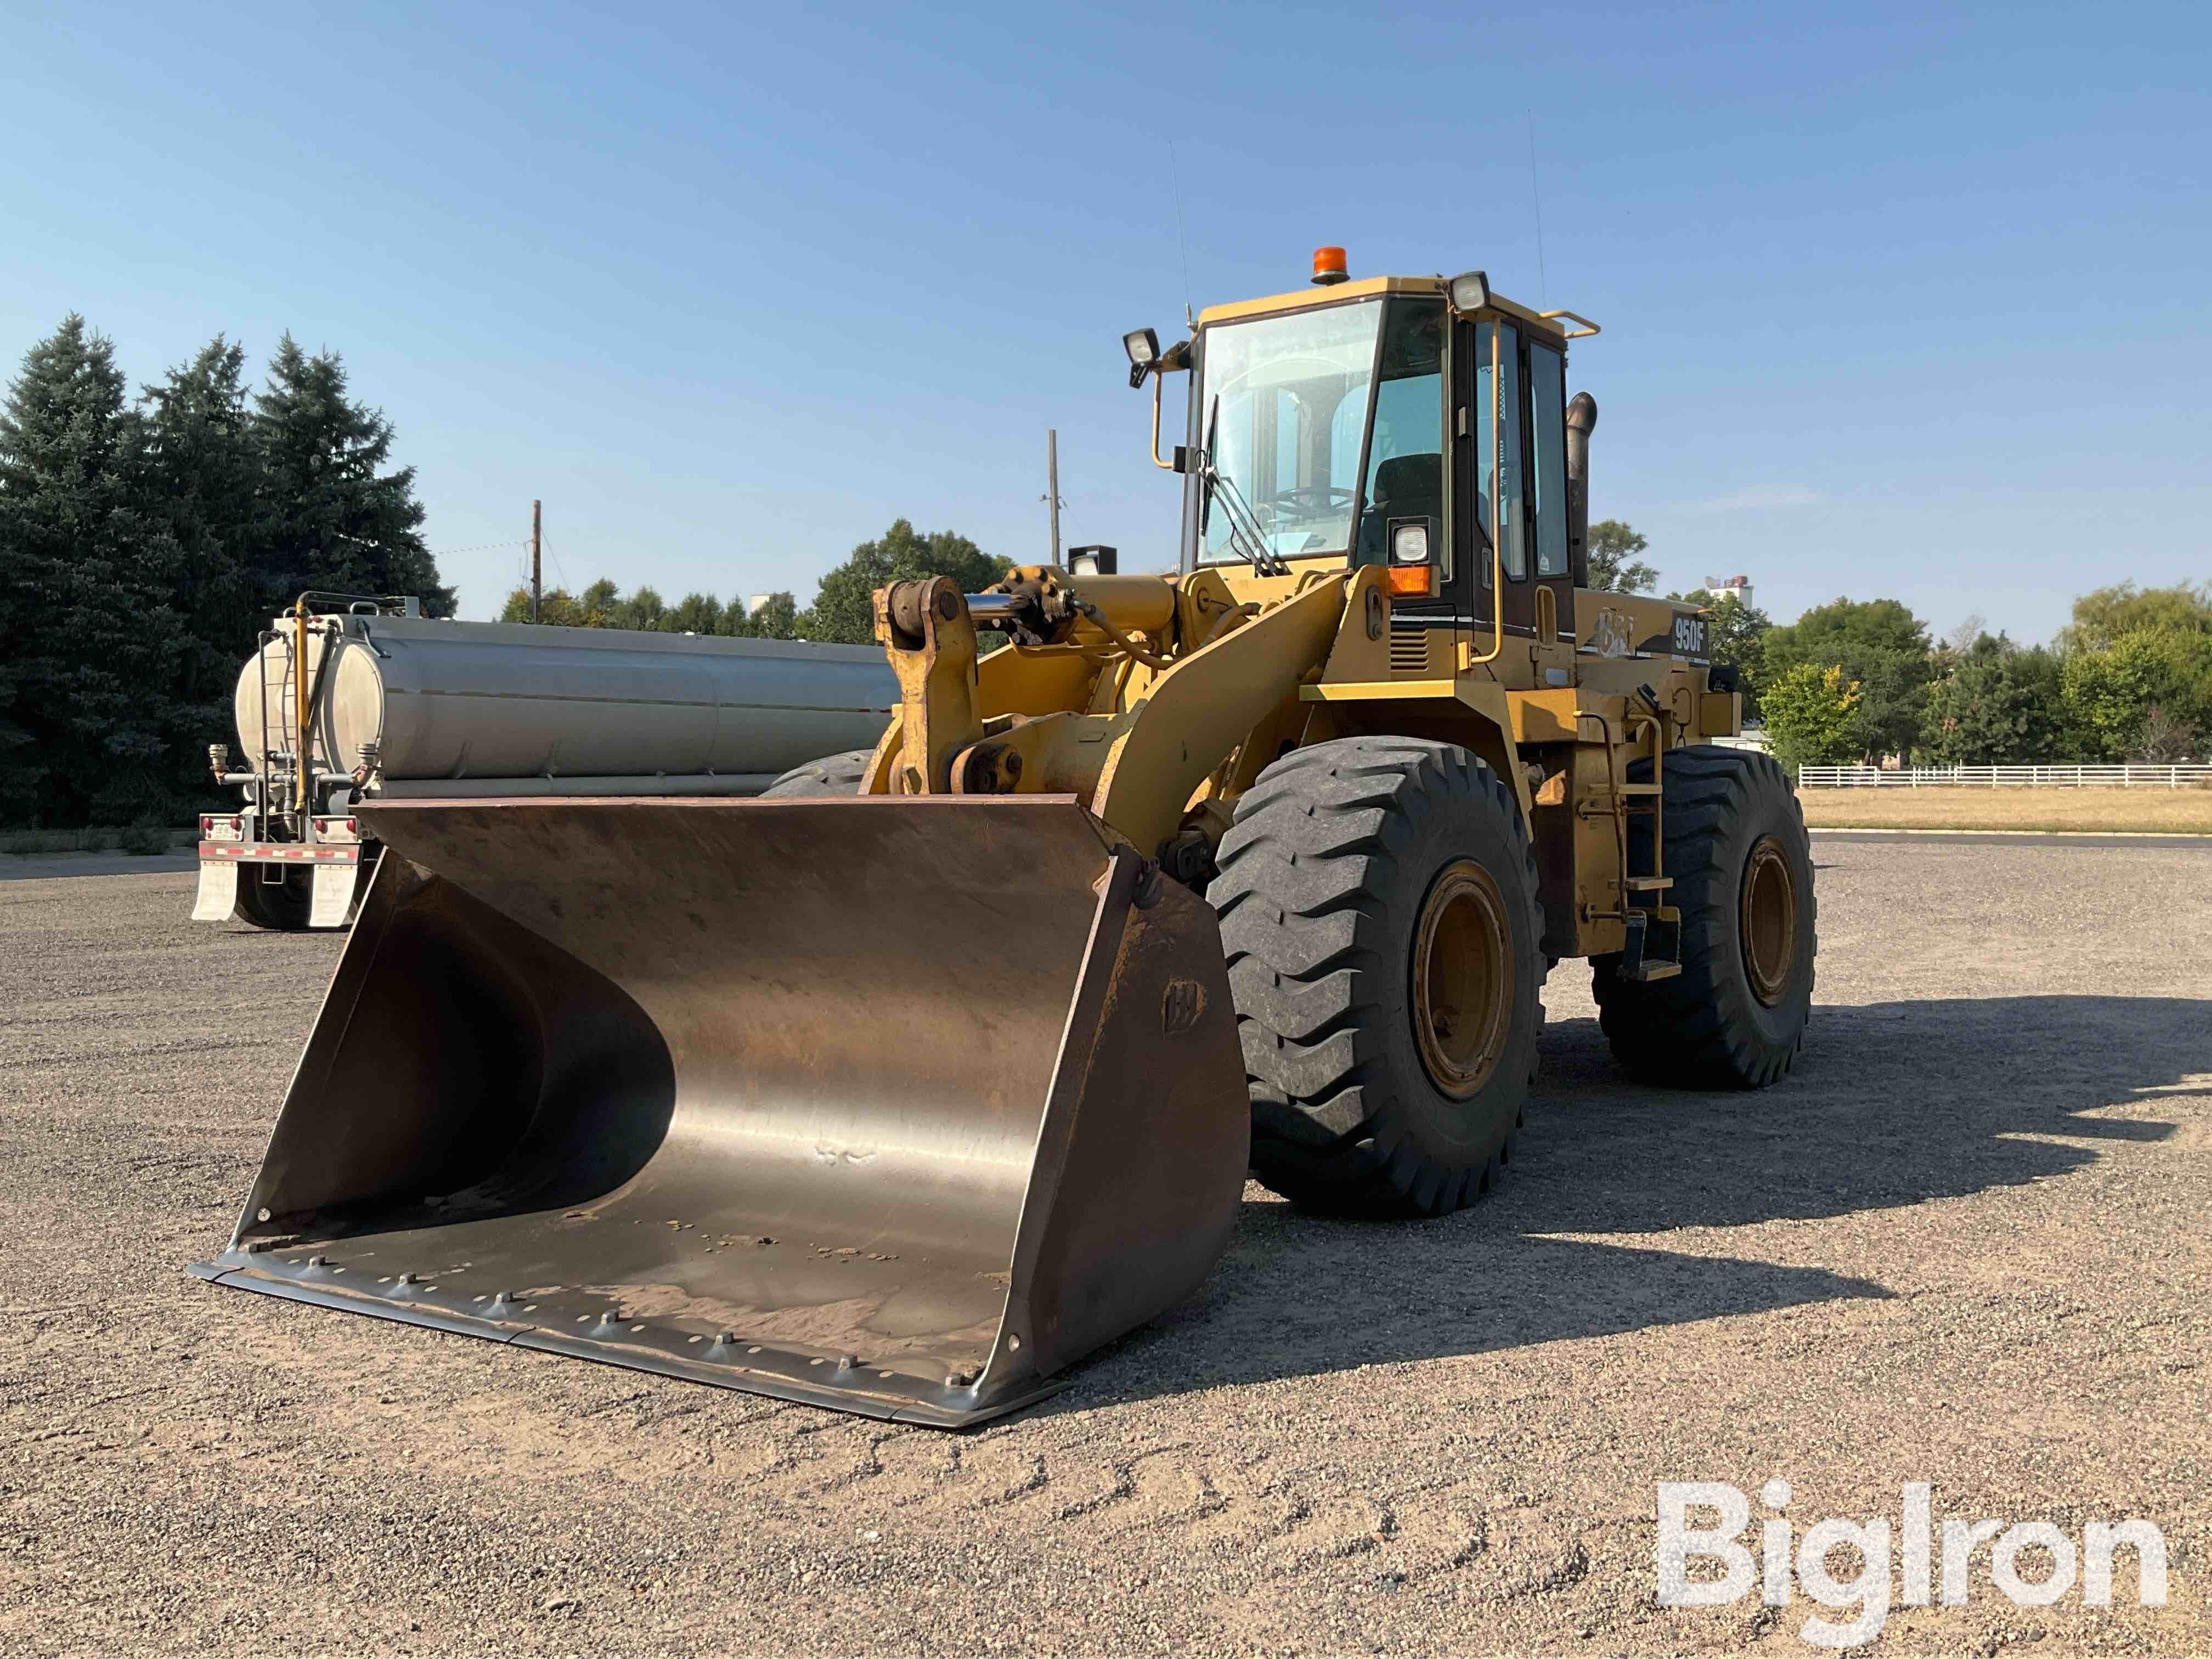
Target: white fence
x,y
2006,777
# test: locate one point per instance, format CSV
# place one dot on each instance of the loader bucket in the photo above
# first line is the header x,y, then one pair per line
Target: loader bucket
x,y
897,1106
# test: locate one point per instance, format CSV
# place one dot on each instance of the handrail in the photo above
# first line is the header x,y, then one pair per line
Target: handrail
x,y
1165,466
1497,512
1587,329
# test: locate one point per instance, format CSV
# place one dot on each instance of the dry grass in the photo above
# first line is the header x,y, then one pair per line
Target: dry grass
x,y
2108,809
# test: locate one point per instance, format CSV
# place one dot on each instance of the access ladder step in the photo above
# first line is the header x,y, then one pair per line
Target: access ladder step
x,y
1642,964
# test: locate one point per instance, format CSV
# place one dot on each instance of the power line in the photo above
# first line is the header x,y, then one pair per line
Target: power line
x,y
479,547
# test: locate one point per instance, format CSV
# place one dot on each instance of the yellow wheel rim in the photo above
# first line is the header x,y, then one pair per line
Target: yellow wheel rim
x,y
1462,979
1769,921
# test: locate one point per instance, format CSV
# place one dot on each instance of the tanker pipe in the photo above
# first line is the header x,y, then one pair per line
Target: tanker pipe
x,y
1582,421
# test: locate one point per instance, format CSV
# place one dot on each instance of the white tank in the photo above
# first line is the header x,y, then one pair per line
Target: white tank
x,y
457,703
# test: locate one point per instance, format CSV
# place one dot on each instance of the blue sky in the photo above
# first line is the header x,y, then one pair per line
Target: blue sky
x,y
1898,300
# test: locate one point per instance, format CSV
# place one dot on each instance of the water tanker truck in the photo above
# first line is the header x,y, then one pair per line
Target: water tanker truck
x,y
350,701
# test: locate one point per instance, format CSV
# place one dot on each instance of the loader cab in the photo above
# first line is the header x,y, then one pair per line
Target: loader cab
x,y
1374,423
1508,377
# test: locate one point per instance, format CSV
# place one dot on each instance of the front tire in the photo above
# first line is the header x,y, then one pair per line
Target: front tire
x,y
1735,1016
1377,901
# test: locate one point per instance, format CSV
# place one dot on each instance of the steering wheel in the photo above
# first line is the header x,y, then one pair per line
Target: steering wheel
x,y
1312,498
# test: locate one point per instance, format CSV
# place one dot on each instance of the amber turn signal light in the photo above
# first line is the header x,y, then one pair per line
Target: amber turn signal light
x,y
1411,581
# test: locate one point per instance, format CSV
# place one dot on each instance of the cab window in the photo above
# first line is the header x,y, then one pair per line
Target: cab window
x,y
1496,496
1547,408
1405,454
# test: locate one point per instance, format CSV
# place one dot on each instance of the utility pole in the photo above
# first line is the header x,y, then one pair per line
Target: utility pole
x,y
537,570
1052,484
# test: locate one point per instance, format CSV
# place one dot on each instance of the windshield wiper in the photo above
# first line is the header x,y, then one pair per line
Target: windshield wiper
x,y
1246,537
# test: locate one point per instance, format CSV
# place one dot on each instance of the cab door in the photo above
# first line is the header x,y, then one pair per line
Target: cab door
x,y
1489,482
1406,489
1546,375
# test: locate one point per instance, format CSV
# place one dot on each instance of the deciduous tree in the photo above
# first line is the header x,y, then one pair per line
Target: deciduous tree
x,y
2110,693
1736,635
1878,643
2102,617
1612,563
1813,716
841,612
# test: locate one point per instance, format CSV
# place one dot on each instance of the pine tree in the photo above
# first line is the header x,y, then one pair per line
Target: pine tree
x,y
88,641
331,518
1996,704
202,475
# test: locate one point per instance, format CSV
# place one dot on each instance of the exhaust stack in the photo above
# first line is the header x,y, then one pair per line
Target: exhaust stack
x,y
1582,421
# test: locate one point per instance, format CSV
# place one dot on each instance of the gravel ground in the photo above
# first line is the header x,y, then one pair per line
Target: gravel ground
x,y
1964,1243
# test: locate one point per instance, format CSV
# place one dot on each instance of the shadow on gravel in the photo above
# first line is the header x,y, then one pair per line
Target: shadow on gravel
x,y
1892,1103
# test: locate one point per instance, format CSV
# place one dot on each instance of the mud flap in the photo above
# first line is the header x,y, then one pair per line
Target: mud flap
x,y
332,894
898,1106
218,893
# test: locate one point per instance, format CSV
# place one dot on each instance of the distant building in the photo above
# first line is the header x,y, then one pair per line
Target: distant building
x,y
1721,587
755,601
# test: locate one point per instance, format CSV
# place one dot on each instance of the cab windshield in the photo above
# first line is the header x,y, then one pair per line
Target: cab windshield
x,y
1285,406
1283,413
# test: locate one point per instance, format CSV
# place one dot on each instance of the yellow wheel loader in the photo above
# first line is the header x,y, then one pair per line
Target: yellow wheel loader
x,y
905,1085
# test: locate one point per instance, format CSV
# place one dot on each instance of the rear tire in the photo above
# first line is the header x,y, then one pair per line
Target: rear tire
x,y
833,774
1378,902
280,907
1735,1016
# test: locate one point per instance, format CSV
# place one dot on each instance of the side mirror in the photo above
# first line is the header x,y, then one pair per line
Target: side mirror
x,y
1143,346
